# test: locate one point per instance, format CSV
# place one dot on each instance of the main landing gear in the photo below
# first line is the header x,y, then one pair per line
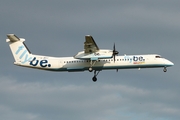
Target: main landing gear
x,y
90,69
95,74
92,62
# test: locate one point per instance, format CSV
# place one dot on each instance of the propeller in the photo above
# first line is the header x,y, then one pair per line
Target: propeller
x,y
114,52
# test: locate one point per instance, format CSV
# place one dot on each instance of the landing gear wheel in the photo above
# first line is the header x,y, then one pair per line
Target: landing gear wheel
x,y
94,79
90,69
165,69
95,75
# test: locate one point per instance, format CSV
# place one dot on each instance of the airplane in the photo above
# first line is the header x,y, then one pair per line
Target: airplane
x,y
90,59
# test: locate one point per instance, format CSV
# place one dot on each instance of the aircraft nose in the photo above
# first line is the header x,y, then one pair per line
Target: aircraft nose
x,y
169,63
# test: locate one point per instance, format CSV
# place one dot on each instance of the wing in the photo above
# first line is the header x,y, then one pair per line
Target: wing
x,y
92,51
90,45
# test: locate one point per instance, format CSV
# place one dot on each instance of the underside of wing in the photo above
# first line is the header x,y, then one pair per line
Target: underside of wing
x,y
90,45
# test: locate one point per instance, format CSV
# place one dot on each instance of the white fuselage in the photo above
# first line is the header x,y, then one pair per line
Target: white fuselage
x,y
71,64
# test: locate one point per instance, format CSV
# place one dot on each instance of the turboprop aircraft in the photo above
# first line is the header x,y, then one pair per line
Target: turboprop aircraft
x,y
91,58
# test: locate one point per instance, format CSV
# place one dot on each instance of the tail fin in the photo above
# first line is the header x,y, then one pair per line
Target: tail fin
x,y
19,50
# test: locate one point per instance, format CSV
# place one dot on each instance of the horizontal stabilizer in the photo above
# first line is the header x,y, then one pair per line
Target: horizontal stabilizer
x,y
13,38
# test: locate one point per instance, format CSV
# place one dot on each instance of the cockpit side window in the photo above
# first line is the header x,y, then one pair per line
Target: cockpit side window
x,y
158,56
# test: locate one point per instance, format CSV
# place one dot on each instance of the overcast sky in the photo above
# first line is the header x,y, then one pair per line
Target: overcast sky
x,y
57,28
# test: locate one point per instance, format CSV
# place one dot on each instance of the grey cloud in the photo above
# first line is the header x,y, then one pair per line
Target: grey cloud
x,y
39,100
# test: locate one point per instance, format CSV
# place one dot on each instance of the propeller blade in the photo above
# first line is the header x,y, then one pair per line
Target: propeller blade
x,y
114,48
114,58
114,52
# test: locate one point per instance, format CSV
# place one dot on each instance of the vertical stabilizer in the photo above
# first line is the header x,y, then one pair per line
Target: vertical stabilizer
x,y
20,52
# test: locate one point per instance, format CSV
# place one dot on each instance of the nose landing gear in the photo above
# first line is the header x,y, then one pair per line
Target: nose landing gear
x,y
165,69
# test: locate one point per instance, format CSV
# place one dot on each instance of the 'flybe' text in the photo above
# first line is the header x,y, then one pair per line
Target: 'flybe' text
x,y
26,57
134,58
42,63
